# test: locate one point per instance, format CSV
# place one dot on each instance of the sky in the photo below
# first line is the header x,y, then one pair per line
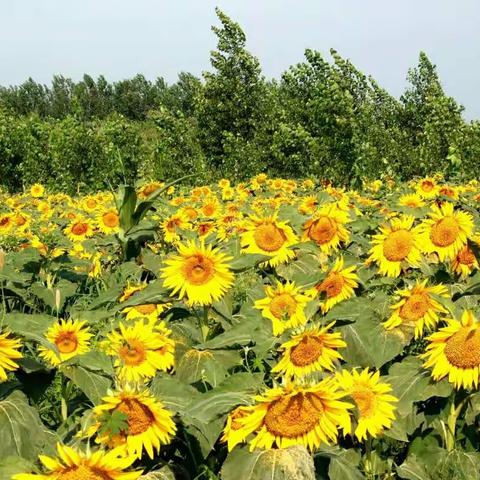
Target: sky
x,y
120,38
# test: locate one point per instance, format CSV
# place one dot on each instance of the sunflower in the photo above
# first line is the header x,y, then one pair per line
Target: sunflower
x,y
397,244
418,308
312,350
374,402
150,311
37,190
171,225
411,200
108,221
455,351
427,187
75,465
268,236
337,286
70,338
148,424
21,221
8,354
79,229
284,305
140,351
446,231
129,290
327,228
291,415
200,273
465,262
308,205
90,204
6,223
448,191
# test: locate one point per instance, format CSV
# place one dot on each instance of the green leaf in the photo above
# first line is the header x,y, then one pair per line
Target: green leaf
x,y
343,463
93,385
21,430
113,422
235,390
294,463
209,365
12,465
369,344
412,383
176,395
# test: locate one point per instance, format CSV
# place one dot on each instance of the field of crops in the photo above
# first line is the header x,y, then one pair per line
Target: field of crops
x,y
274,329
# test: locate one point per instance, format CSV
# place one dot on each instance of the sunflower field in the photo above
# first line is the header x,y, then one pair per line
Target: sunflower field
x,y
273,329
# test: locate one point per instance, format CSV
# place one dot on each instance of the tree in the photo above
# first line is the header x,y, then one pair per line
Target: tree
x,y
231,107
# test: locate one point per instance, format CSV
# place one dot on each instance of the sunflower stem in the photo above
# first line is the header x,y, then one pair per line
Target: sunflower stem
x,y
368,456
455,411
204,323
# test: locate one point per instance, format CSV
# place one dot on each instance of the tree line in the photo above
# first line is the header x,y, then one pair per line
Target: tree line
x,y
323,118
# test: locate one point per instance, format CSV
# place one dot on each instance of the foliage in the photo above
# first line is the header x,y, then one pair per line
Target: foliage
x,y
321,118
224,352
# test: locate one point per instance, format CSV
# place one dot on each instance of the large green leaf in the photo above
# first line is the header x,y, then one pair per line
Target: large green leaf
x,y
237,389
12,465
21,430
343,463
369,344
176,395
294,463
93,385
211,366
412,383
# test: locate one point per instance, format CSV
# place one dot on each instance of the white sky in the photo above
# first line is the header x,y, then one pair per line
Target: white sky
x,y
119,38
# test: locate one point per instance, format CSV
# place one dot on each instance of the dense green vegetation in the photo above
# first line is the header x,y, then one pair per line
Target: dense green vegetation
x,y
322,118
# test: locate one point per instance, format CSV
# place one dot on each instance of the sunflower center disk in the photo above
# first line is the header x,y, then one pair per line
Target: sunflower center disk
x,y
268,237
110,219
465,256
398,245
427,186
283,305
415,307
132,353
306,352
79,228
332,285
293,417
198,269
66,342
140,417
463,348
322,230
444,232
146,309
365,400
83,472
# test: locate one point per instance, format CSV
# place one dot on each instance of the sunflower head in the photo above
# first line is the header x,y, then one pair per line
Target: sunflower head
x,y
270,237
9,347
417,308
70,338
72,464
312,350
146,423
292,415
284,305
454,352
375,405
199,273
338,285
140,350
